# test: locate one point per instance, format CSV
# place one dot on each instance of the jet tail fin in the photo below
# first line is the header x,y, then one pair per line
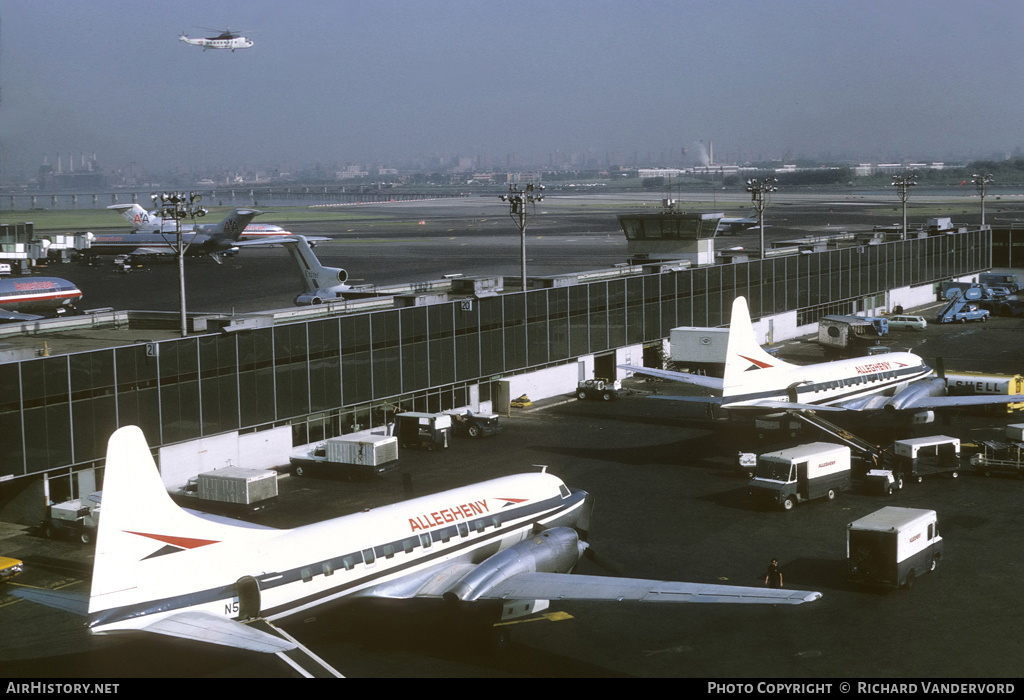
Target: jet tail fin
x,y
234,224
134,214
315,275
744,354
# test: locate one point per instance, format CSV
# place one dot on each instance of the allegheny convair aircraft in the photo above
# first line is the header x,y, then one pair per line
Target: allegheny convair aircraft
x,y
33,298
227,39
754,382
143,221
163,570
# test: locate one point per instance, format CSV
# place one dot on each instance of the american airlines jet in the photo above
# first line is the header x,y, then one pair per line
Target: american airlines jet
x,y
162,570
143,221
754,382
32,298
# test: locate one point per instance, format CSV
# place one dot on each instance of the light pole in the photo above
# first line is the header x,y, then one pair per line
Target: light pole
x,y
982,182
518,199
903,182
178,205
760,191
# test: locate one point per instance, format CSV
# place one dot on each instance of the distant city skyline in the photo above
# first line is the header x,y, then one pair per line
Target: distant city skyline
x,y
401,83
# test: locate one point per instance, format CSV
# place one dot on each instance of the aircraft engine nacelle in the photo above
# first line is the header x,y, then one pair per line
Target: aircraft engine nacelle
x,y
552,551
919,389
309,299
342,273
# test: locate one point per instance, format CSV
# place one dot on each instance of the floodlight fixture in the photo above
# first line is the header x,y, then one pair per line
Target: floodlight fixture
x,y
982,182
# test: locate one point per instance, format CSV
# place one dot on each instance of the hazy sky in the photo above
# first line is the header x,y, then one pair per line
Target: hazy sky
x,y
349,81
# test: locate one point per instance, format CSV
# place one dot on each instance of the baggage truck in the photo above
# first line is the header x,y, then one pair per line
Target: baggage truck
x,y
917,457
893,546
78,518
430,430
803,473
353,458
852,335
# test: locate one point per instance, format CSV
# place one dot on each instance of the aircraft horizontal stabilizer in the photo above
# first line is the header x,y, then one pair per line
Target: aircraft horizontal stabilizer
x,y
542,586
75,603
686,378
202,627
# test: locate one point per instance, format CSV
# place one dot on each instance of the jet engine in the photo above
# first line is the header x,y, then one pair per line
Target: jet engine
x,y
556,550
917,390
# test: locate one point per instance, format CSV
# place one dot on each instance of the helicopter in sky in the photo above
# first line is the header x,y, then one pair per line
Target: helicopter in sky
x,y
226,39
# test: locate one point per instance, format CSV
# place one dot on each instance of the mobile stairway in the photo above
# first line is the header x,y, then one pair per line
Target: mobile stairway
x,y
880,473
302,660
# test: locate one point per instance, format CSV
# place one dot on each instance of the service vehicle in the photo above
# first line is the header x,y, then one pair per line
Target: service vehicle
x,y
474,425
893,546
982,383
351,457
1001,279
915,458
599,389
9,568
902,323
802,473
999,458
961,306
852,334
430,430
77,518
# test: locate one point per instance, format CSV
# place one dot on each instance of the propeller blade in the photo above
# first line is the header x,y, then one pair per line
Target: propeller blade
x,y
612,567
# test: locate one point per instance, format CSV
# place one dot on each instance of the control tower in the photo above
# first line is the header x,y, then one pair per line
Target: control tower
x,y
671,235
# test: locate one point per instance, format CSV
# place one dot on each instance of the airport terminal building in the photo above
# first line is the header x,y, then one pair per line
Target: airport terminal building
x,y
333,375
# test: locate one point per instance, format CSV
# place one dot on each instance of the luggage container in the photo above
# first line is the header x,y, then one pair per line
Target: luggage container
x,y
237,488
916,458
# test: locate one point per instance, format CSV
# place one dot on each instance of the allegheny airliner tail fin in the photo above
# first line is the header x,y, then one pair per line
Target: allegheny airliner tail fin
x,y
746,362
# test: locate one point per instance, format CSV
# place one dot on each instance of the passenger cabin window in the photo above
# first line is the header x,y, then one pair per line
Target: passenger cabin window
x,y
463,530
368,557
425,540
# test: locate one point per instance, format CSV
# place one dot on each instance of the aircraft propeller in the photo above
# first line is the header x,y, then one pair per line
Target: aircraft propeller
x,y
609,565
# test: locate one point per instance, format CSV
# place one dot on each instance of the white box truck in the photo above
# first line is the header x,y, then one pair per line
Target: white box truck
x,y
893,546
353,458
802,473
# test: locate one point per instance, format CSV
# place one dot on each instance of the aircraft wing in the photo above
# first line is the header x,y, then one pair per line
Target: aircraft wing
x,y
926,403
6,316
277,240
549,586
542,586
695,379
